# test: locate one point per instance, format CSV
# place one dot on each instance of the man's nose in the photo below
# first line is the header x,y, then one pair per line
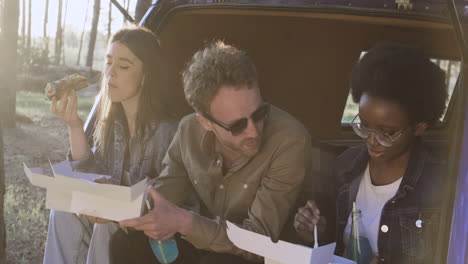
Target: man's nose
x,y
251,130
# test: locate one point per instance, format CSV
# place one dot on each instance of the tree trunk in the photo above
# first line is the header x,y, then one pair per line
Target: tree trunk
x,y
124,5
82,34
2,196
45,51
2,171
93,35
127,8
109,25
63,32
8,56
58,34
141,8
23,26
28,40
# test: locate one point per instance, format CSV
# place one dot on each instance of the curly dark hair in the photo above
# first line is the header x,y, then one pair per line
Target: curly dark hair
x,y
404,75
212,67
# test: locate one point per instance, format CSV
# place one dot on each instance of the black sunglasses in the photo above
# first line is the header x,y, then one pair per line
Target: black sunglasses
x,y
240,125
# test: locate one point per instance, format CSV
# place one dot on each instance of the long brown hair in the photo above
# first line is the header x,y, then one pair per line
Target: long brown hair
x,y
145,46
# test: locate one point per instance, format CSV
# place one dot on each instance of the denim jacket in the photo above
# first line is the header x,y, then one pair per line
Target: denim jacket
x,y
402,238
157,139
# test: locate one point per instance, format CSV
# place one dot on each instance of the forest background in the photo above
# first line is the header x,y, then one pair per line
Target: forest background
x,y
42,41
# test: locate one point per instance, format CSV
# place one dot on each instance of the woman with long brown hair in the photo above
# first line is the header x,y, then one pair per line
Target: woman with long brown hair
x,y
132,133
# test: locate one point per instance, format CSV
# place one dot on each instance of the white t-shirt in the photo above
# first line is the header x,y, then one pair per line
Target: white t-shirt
x,y
370,200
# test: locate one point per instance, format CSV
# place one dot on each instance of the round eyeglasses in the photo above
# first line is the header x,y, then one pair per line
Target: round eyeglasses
x,y
383,138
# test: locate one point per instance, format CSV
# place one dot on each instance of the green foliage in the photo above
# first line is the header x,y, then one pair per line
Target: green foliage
x,y
39,60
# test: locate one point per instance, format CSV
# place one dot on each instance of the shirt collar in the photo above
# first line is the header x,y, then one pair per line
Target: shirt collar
x,y
412,174
207,145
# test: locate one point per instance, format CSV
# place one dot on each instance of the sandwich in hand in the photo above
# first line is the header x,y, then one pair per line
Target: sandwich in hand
x,y
60,87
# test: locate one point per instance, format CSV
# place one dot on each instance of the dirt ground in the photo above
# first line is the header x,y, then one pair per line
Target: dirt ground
x,y
33,143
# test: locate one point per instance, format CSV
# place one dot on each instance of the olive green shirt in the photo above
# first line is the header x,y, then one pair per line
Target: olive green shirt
x,y
258,194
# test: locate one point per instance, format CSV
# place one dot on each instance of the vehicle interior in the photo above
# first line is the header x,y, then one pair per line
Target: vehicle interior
x,y
304,57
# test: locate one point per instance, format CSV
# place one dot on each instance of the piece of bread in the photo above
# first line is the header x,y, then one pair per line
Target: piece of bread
x,y
59,88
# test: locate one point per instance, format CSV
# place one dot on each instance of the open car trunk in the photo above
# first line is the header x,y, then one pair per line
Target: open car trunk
x,y
303,58
304,52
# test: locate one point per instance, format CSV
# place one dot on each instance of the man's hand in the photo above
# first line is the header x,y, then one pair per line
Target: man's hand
x,y
163,221
306,218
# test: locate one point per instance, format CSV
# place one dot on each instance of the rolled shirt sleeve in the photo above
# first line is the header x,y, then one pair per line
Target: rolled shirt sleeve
x,y
173,181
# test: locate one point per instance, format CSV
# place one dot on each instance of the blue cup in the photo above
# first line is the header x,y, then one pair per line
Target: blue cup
x,y
166,251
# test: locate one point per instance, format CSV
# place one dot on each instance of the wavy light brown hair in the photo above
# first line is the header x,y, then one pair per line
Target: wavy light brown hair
x,y
212,67
145,46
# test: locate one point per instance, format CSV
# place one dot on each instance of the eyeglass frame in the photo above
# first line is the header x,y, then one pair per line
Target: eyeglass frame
x,y
231,127
378,135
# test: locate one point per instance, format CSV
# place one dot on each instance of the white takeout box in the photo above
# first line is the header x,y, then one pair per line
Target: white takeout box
x,y
282,252
75,192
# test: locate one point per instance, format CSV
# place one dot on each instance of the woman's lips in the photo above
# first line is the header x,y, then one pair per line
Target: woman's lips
x,y
375,154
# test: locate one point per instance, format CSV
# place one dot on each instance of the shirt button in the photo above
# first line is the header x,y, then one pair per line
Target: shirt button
x,y
384,228
245,186
221,186
393,201
218,161
195,181
419,223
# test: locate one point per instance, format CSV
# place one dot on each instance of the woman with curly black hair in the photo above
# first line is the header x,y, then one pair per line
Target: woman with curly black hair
x,y
395,179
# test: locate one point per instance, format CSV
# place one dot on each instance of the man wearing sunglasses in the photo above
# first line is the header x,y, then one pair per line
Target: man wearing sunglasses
x,y
243,158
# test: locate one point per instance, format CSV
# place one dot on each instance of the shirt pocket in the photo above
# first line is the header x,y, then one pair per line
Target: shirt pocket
x,y
247,190
419,231
203,185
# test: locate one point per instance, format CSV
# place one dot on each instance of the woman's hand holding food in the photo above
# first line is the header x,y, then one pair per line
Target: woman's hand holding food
x,y
66,109
62,93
